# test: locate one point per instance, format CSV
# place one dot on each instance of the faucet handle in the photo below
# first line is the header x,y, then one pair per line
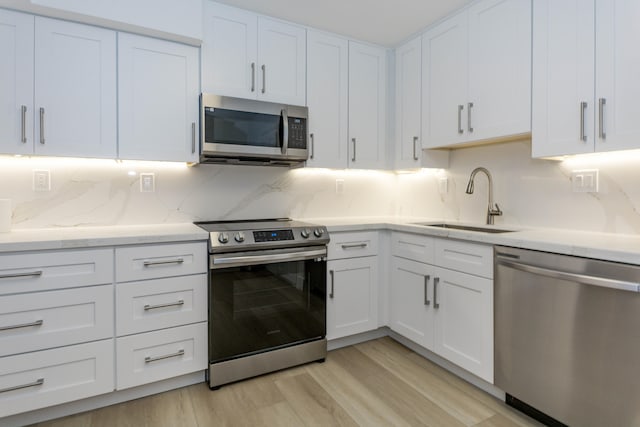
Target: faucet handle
x,y
495,211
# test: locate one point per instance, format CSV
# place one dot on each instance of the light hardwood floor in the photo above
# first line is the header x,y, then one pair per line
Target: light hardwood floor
x,y
376,383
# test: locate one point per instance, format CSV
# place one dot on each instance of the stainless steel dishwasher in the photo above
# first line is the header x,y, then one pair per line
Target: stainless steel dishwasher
x,y
567,337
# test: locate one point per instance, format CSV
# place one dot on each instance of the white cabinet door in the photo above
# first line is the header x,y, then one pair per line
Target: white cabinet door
x,y
563,107
408,109
352,303
367,106
444,83
16,83
158,99
282,55
229,51
411,310
75,89
464,321
617,71
327,99
499,69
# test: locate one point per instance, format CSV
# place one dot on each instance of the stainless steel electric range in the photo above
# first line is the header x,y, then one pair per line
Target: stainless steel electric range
x,y
267,297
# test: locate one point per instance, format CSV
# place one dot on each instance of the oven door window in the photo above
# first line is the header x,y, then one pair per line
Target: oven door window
x,y
262,307
242,128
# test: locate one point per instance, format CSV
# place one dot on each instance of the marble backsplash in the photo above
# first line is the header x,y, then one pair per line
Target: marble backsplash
x,y
530,192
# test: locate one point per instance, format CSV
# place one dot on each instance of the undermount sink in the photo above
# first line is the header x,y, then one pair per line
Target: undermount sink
x,y
464,227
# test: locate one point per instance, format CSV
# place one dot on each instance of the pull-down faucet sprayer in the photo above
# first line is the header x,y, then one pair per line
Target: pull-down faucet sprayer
x,y
491,211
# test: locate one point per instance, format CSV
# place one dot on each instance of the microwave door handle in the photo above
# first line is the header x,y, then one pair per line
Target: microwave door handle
x,y
285,130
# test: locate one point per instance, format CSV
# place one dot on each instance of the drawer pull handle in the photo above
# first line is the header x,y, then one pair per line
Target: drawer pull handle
x,y
148,307
426,290
36,383
170,261
28,274
355,246
178,353
436,281
23,325
331,273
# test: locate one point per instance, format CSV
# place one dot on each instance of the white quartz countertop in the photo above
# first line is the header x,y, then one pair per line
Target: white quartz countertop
x,y
611,247
84,237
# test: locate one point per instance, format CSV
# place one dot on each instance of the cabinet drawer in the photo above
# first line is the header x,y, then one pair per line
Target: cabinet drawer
x,y
41,271
160,303
413,246
154,356
157,261
43,320
466,257
46,378
351,245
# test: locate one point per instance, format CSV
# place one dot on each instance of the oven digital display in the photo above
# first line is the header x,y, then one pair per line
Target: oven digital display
x,y
272,235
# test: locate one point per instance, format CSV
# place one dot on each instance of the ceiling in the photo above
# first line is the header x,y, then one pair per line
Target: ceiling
x,y
383,22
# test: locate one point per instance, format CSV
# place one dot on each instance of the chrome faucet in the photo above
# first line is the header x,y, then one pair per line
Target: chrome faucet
x,y
491,211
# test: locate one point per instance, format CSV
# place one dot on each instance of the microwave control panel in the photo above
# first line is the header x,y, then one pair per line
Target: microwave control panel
x,y
297,132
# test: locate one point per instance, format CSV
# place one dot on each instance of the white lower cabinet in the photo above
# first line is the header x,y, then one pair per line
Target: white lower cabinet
x,y
51,377
446,310
158,355
352,284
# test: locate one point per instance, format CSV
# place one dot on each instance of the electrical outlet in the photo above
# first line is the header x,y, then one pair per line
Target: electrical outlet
x,y
585,181
41,180
339,186
147,182
443,185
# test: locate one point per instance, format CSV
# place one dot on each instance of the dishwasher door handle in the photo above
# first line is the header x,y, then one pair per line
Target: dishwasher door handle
x,y
620,285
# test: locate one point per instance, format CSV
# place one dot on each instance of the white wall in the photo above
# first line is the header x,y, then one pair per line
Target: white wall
x,y
530,192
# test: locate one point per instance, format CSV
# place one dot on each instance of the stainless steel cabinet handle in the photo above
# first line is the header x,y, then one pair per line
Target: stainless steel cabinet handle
x,y
426,290
23,325
331,273
28,274
583,133
460,108
415,141
148,307
171,261
603,282
168,356
313,151
436,281
36,383
264,78
601,104
193,137
253,77
469,107
42,140
353,158
23,111
355,245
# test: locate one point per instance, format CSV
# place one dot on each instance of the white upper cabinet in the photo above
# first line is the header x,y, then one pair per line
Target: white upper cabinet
x,y
563,77
75,89
158,99
586,71
444,82
16,83
367,106
247,56
408,83
477,74
617,72
327,99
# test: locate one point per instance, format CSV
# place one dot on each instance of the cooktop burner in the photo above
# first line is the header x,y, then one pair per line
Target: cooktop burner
x,y
254,234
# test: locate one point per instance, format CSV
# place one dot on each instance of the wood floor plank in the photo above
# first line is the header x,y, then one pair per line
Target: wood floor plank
x,y
414,407
126,414
312,403
280,415
457,403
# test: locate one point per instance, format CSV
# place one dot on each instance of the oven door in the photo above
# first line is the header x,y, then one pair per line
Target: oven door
x,y
262,300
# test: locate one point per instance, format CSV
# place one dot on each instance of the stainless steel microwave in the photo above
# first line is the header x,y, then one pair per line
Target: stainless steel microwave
x,y
245,131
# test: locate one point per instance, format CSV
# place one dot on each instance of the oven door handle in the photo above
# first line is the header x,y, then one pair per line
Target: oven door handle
x,y
264,257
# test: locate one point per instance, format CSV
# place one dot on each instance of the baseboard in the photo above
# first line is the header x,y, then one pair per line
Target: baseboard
x,y
358,338
101,401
